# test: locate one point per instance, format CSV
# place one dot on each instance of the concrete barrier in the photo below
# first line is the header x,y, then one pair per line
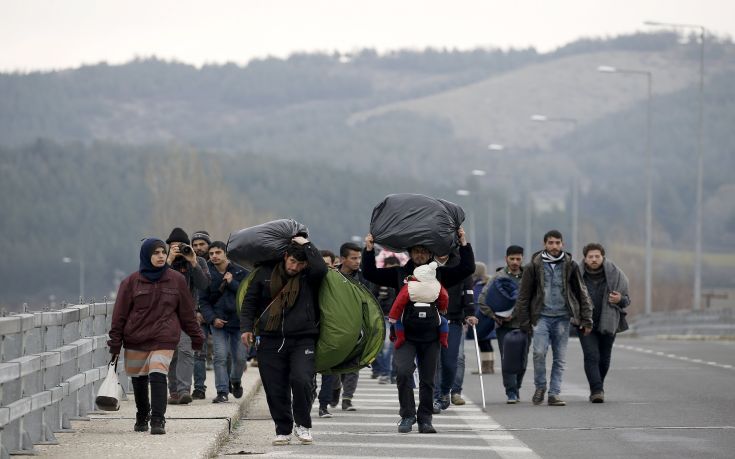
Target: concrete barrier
x,y
51,365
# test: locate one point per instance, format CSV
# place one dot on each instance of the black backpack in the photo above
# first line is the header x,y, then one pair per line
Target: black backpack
x,y
420,321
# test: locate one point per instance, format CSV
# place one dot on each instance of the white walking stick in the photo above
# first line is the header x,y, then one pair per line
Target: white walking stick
x,y
479,366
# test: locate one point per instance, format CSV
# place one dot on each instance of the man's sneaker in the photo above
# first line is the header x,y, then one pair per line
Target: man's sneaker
x,y
281,440
554,400
457,399
597,397
173,399
384,380
221,398
436,408
324,412
304,435
184,398
254,362
198,394
538,396
406,424
445,402
426,428
347,405
236,389
374,376
512,398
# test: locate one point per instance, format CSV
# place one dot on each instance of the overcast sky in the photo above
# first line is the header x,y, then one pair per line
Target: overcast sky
x,y
54,34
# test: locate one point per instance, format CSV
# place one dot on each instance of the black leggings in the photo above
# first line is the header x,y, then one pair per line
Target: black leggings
x,y
157,404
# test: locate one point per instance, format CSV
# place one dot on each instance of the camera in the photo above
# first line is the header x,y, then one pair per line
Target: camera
x,y
185,249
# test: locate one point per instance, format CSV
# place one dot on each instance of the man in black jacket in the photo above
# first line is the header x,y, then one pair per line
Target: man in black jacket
x,y
281,309
217,304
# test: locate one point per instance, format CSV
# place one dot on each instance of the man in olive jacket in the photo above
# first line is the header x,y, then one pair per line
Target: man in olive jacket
x,y
552,294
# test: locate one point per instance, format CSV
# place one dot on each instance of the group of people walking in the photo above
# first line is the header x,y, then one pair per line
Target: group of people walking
x,y
182,293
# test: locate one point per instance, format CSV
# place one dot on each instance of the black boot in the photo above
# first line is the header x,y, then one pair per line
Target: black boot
x,y
158,425
159,391
142,403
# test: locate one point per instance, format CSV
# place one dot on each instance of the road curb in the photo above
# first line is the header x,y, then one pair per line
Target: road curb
x,y
221,437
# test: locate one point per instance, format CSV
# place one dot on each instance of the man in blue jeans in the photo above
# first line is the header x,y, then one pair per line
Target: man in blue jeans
x,y
218,307
552,294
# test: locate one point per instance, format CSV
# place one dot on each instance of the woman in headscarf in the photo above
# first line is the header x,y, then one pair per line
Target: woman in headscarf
x,y
153,305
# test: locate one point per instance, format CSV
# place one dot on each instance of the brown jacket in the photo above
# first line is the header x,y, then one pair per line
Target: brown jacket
x,y
149,315
530,300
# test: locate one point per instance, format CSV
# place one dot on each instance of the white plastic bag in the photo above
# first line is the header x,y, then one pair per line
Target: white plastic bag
x,y
110,392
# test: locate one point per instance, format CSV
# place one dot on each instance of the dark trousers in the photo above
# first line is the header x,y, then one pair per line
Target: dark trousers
x,y
448,360
405,358
325,391
287,367
511,381
597,350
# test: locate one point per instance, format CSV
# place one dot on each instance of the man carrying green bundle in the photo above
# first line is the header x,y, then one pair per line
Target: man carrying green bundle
x,y
281,308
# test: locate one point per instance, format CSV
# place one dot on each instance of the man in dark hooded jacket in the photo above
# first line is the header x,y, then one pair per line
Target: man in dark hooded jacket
x,y
281,308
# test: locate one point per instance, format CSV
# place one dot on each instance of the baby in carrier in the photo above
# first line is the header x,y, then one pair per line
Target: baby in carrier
x,y
419,308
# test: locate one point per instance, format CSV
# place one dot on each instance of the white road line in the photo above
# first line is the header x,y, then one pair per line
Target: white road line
x,y
354,414
456,436
675,357
474,426
513,449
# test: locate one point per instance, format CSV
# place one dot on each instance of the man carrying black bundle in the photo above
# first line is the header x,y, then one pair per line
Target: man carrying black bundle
x,y
281,309
395,278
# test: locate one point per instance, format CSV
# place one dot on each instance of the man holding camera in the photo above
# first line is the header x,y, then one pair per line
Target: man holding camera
x,y
181,258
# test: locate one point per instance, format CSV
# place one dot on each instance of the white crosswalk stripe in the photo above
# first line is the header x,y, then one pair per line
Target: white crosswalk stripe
x,y
371,431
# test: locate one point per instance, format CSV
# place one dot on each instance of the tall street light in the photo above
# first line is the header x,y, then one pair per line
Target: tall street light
x,y
490,241
575,179
81,274
697,303
649,176
467,193
496,147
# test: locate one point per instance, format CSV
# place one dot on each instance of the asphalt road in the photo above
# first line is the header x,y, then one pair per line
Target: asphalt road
x,y
671,399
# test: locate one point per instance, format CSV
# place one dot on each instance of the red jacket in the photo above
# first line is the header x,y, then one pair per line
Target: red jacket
x,y
442,302
149,316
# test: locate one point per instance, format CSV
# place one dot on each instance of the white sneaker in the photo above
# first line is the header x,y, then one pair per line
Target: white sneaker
x,y
281,440
304,435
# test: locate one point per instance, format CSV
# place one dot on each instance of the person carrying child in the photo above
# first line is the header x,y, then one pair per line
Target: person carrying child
x,y
419,329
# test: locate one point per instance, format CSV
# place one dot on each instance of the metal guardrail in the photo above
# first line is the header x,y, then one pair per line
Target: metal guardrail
x,y
706,322
51,365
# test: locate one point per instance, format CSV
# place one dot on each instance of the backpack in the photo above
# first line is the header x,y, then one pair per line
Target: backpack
x,y
421,321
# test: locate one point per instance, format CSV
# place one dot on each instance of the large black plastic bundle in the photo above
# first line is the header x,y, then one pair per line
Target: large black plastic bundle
x,y
404,220
268,241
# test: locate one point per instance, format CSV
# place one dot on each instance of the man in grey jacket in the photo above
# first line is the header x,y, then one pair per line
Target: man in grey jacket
x,y
551,296
608,288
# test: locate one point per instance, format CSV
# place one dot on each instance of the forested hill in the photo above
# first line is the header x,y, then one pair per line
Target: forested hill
x,y
93,159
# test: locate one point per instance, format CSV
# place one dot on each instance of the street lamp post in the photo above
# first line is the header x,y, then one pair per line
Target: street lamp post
x,y
697,303
649,178
575,179
81,274
472,238
490,235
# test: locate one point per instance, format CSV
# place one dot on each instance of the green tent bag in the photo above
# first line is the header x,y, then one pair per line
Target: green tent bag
x,y
352,327
242,289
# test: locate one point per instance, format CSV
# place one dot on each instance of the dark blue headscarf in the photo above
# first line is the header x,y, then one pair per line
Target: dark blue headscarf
x,y
147,269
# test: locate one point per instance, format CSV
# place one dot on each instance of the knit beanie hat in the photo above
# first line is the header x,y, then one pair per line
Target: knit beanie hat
x,y
201,234
178,235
